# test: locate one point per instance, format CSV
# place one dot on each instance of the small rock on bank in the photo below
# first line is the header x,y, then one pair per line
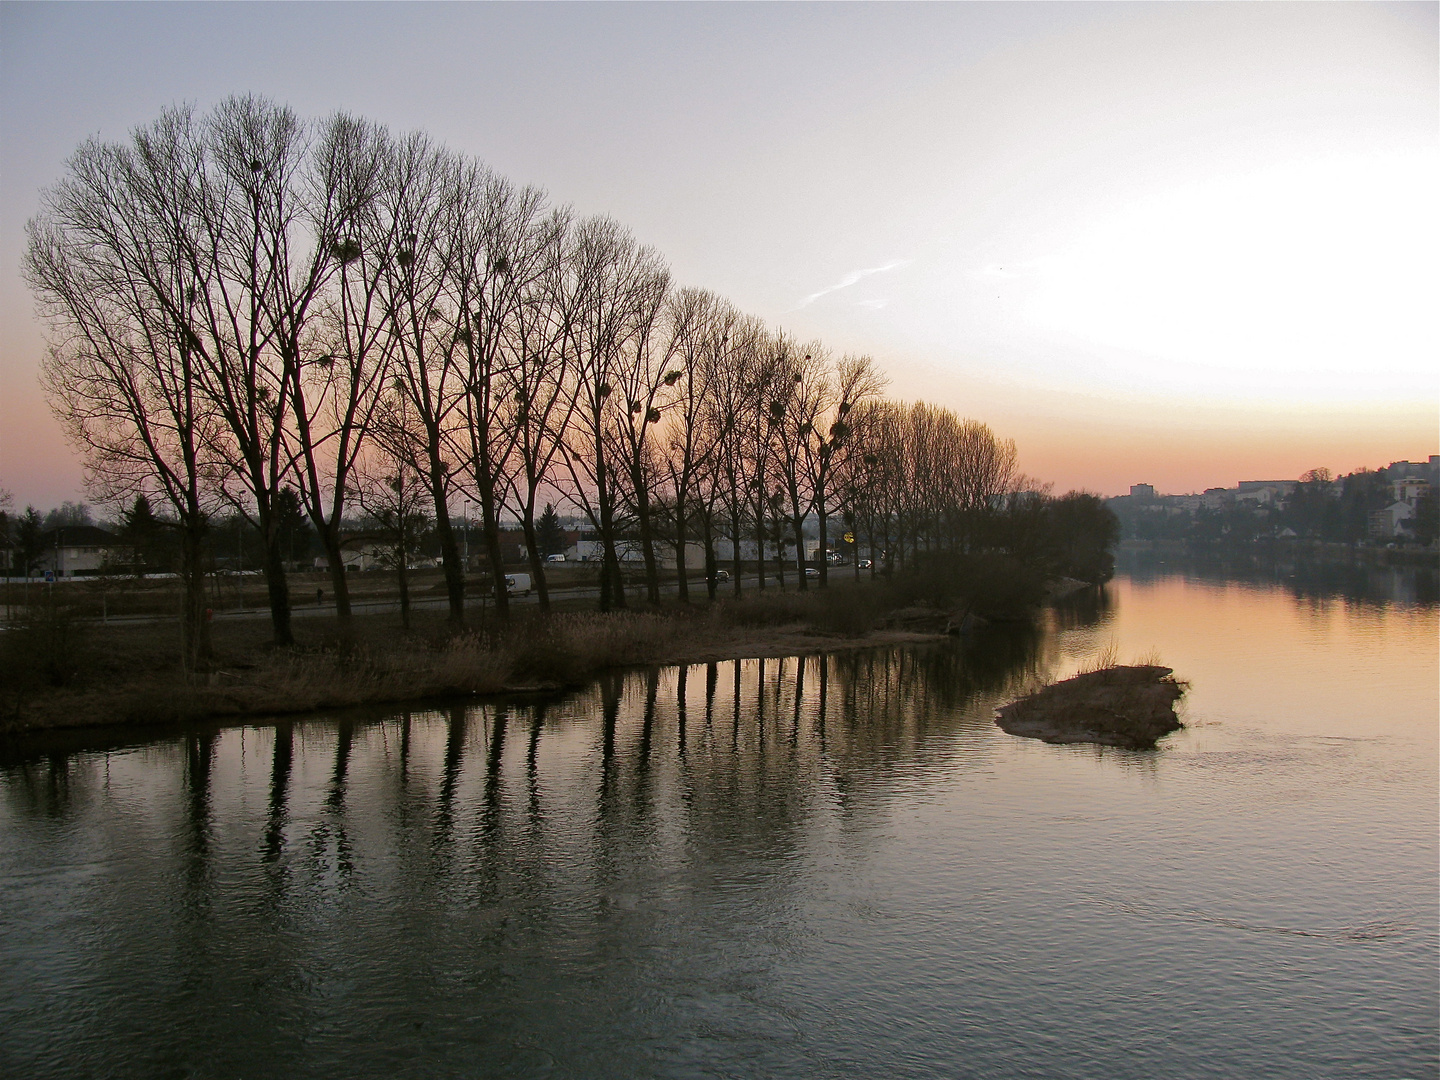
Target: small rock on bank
x,y
1130,707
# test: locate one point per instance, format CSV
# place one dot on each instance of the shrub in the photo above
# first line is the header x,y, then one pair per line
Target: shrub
x,y
990,585
46,644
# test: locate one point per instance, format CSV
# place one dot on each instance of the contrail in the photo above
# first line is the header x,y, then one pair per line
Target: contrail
x,y
851,278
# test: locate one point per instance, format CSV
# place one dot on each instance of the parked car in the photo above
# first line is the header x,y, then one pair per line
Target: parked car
x,y
812,572
554,558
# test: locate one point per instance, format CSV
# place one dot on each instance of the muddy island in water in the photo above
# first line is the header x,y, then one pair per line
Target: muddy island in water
x,y
1129,707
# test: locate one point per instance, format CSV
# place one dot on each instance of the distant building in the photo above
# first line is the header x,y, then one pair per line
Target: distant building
x,y
585,549
725,551
76,551
1401,470
1217,498
588,547
1264,492
1409,488
694,556
1142,492
1389,523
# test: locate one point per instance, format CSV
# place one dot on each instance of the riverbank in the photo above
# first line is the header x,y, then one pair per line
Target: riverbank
x,y
83,674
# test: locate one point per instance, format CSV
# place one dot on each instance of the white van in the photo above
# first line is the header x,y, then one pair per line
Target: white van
x,y
517,584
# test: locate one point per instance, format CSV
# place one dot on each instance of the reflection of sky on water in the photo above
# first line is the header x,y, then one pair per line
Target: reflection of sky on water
x,y
835,866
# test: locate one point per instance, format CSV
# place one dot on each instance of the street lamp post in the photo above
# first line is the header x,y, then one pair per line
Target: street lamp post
x,y
465,530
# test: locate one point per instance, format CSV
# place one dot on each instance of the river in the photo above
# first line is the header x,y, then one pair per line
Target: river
x,y
835,867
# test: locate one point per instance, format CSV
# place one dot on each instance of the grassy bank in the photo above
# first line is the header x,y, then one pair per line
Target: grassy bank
x,y
64,671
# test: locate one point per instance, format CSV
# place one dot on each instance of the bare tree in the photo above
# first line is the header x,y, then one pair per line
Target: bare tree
x,y
616,282
258,252
341,365
392,491
644,375
118,374
732,422
702,328
500,258
421,204
853,381
538,399
242,301
202,222
801,394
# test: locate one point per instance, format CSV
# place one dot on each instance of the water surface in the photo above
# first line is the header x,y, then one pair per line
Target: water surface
x,y
835,867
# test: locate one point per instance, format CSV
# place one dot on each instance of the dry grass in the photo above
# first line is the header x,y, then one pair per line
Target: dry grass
x,y
133,673
1125,706
1106,658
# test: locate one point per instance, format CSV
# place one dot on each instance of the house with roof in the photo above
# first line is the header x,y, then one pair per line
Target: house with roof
x,y
1389,523
1264,492
77,551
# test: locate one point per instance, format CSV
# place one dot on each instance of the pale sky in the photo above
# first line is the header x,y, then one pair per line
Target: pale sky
x,y
1166,243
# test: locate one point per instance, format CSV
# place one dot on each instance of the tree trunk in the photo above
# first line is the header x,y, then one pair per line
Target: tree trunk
x,y
533,554
798,522
682,580
404,583
491,528
610,572
737,564
760,543
278,589
339,584
449,550
647,541
450,560
707,526
824,552
197,626
612,586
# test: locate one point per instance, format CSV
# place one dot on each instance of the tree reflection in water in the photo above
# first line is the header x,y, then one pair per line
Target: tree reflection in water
x,y
1364,578
605,883
411,861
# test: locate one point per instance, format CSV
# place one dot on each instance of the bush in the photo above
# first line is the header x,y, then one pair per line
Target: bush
x,y
992,586
840,609
46,644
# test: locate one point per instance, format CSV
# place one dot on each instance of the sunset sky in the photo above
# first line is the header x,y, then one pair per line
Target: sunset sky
x,y
1178,244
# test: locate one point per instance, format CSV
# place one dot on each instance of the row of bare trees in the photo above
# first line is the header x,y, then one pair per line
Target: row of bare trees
x,y
242,302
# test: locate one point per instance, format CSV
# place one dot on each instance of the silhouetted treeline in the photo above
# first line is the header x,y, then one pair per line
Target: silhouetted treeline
x,y
251,312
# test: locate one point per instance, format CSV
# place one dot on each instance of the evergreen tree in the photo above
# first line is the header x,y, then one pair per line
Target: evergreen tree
x,y
548,532
144,534
292,525
7,541
28,542
1426,525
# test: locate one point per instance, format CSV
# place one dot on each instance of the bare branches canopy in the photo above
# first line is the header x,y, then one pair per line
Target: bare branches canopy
x,y
247,307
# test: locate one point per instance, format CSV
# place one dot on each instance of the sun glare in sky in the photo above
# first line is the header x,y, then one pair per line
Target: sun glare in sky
x,y
1304,282
1064,220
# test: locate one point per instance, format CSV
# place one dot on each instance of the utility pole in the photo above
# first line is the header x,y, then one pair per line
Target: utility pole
x,y
465,530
